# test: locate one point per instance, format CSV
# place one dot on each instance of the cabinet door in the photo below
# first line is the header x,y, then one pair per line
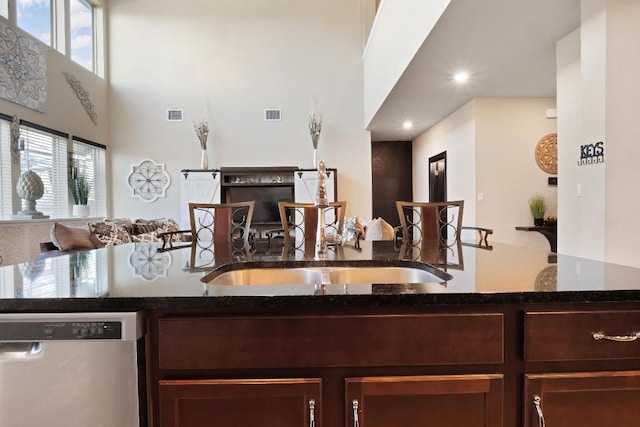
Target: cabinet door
x,y
450,400
582,399
223,403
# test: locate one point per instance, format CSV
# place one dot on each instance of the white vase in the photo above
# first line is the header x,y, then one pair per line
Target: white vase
x,y
315,158
80,210
204,160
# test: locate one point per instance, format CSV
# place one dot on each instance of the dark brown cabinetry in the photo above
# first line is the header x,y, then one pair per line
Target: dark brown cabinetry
x,y
291,402
593,399
560,397
485,366
293,369
416,401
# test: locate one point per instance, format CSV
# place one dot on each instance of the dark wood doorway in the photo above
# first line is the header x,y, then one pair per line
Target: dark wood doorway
x,y
438,178
391,178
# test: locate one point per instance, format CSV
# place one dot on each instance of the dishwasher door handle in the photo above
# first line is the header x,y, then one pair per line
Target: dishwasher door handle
x,y
20,350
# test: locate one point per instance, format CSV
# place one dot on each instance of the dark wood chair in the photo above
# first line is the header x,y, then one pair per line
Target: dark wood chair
x,y
440,221
216,223
222,223
431,232
300,222
482,241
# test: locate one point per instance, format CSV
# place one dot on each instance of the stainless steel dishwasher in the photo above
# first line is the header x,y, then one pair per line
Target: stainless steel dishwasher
x,y
71,370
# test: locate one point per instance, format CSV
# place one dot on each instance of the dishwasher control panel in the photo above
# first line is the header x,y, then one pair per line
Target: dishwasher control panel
x,y
60,330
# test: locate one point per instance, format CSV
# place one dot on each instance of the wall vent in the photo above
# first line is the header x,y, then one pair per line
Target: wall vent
x,y
174,115
272,115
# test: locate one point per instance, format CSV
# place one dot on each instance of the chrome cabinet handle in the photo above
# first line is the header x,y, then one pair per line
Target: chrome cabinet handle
x,y
617,338
312,413
354,405
537,401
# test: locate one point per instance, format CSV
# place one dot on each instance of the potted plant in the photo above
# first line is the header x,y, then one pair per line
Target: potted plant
x,y
80,188
538,208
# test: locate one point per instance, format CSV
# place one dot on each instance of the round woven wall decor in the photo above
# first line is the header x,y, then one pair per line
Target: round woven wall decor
x,y
547,153
547,279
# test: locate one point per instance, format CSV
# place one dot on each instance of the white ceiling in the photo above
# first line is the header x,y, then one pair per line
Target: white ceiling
x,y
507,47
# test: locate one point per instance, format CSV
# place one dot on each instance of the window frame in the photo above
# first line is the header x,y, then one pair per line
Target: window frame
x,y
62,202
60,37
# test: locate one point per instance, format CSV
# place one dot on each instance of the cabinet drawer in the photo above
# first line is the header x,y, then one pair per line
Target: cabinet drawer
x,y
329,341
282,402
589,335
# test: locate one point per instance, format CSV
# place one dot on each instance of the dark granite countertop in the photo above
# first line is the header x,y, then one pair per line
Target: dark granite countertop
x,y
138,276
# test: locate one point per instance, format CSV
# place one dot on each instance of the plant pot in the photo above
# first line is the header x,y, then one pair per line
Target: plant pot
x,y
80,210
538,222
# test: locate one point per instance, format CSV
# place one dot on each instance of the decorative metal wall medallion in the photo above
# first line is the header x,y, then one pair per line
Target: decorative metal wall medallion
x,y
23,69
83,96
147,262
547,153
149,180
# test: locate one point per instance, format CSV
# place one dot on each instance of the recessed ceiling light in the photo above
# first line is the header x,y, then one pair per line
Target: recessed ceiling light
x,y
461,76
407,125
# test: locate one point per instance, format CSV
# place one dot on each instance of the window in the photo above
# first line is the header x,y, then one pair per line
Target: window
x,y
81,31
4,8
72,27
50,154
34,17
45,153
90,159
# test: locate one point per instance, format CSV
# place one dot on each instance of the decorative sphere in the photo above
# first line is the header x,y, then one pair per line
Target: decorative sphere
x,y
30,186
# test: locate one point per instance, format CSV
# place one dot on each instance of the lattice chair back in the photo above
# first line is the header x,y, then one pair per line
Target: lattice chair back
x,y
431,231
222,223
300,222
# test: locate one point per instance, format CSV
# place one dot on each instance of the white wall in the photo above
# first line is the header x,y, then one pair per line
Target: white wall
x,y
507,132
622,144
569,92
455,135
226,61
597,101
398,32
20,239
490,147
64,110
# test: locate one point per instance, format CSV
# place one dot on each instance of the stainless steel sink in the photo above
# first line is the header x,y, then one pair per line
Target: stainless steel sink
x,y
325,276
266,276
386,275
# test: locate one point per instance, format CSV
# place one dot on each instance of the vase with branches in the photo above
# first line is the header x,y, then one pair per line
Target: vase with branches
x,y
315,127
202,132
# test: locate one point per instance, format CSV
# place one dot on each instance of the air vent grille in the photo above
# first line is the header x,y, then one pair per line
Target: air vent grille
x,y
272,115
174,115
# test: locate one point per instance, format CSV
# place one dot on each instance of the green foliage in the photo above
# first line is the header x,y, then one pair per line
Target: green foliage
x,y
538,206
80,188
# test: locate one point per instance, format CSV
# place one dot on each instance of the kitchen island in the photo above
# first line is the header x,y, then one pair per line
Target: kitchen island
x,y
514,334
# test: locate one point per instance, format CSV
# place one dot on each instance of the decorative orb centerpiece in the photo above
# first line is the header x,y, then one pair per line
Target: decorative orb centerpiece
x,y
30,188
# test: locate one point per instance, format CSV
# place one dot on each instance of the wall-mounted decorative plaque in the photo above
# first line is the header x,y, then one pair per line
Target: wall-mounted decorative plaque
x,y
547,153
149,180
